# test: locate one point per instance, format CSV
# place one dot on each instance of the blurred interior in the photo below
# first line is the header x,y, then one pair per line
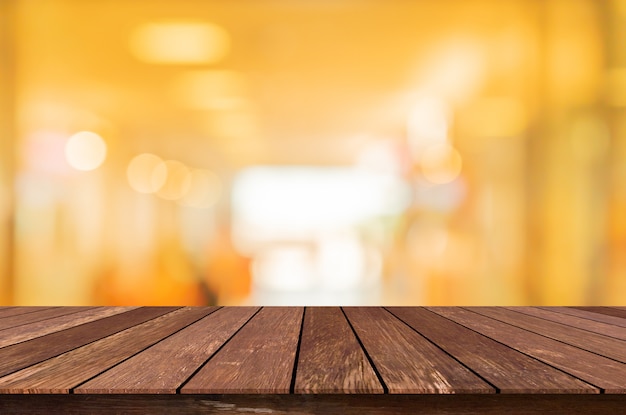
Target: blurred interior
x,y
345,152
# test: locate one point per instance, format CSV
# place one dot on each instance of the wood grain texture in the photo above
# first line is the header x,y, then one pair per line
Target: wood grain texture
x,y
29,331
580,323
13,311
21,355
39,315
491,404
596,370
609,311
587,315
330,358
514,360
61,373
505,368
593,342
407,362
163,367
258,359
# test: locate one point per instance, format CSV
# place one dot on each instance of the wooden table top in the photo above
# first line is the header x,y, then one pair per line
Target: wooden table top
x,y
344,354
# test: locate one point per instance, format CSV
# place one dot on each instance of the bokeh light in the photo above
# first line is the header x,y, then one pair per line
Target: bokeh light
x,y
441,163
146,173
179,43
458,152
85,151
177,182
428,124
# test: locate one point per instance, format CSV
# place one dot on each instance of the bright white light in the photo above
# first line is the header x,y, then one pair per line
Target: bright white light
x,y
379,156
341,261
284,268
85,151
270,203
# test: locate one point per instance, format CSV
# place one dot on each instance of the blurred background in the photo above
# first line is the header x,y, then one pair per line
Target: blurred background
x,y
346,152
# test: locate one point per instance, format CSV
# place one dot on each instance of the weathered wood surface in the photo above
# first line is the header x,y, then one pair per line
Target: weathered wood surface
x,y
583,339
331,359
61,373
609,311
438,360
594,326
21,355
507,369
259,359
37,315
606,374
166,365
407,362
14,311
587,315
35,329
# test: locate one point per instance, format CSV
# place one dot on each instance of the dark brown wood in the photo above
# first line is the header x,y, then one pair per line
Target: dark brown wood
x,y
163,367
587,315
13,311
21,355
41,328
61,373
38,315
593,342
407,362
259,359
330,358
609,311
600,371
581,323
318,360
505,368
491,404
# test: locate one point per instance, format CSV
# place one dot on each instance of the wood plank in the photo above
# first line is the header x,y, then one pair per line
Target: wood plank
x,y
593,342
13,311
258,359
29,331
163,367
600,371
581,323
330,357
63,372
21,355
609,311
38,315
297,404
407,362
505,368
616,321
